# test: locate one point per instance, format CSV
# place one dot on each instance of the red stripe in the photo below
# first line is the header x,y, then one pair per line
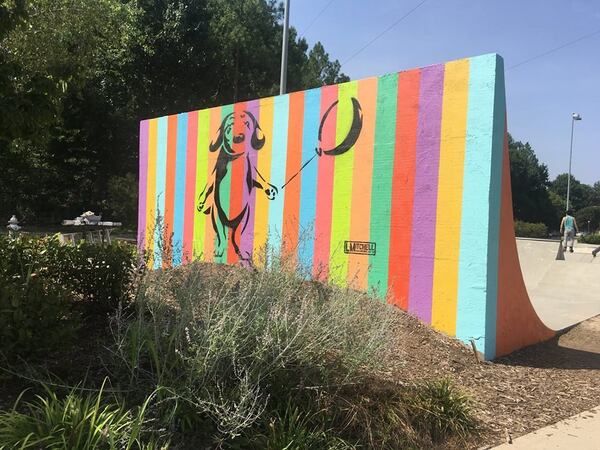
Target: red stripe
x,y
190,186
169,191
329,94
238,178
403,186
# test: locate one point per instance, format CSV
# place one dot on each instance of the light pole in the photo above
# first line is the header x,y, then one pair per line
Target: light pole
x,y
574,117
284,48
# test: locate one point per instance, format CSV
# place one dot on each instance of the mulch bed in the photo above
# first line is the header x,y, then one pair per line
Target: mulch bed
x,y
514,395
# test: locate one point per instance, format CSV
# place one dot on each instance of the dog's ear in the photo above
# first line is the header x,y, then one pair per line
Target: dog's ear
x,y
258,138
216,144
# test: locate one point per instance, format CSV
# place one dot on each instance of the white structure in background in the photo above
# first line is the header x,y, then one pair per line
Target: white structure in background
x,y
90,223
13,226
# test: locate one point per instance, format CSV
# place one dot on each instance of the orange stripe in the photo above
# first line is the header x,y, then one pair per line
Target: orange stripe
x,y
238,178
291,206
403,186
360,221
170,190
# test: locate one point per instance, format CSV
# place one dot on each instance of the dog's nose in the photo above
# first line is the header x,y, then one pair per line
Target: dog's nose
x,y
238,138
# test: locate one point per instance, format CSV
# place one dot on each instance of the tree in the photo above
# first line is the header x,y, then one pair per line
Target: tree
x,y
591,214
529,183
76,76
581,195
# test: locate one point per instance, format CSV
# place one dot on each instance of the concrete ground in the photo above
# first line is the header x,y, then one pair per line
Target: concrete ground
x,y
563,293
580,432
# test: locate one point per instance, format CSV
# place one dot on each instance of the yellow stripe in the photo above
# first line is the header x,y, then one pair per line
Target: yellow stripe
x,y
201,181
151,191
342,187
261,211
450,187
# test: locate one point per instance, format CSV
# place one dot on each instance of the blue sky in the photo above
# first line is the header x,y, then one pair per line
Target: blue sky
x,y
541,94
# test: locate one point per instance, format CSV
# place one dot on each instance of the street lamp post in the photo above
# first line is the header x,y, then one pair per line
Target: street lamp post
x,y
574,117
284,48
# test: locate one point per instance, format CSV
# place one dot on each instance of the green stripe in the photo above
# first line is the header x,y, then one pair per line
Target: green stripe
x,y
225,187
383,169
201,181
342,186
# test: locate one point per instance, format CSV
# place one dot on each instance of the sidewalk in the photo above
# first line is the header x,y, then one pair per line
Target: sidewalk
x,y
580,432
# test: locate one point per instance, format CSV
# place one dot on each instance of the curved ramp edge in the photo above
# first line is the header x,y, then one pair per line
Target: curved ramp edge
x,y
517,323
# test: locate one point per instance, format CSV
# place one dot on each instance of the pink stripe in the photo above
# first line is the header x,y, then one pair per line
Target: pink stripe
x,y
249,198
425,193
190,186
329,94
143,182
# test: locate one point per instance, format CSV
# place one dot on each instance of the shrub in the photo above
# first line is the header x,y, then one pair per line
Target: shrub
x,y
75,422
531,230
237,348
590,239
267,359
91,273
440,410
34,315
591,214
40,281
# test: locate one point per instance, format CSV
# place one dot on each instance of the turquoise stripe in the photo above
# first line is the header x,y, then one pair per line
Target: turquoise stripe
x,y
179,199
161,181
278,161
495,208
383,172
478,205
308,192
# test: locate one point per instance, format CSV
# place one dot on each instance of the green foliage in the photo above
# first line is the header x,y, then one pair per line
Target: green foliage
x,y
40,281
264,359
529,183
590,239
441,410
295,430
591,214
581,195
122,199
76,76
79,422
531,230
98,274
35,314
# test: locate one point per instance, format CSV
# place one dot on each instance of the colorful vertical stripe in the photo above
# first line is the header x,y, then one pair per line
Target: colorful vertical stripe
x,y
404,210
426,190
189,211
179,193
449,201
142,184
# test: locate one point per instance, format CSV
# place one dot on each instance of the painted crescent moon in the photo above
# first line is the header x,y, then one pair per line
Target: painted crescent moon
x,y
352,136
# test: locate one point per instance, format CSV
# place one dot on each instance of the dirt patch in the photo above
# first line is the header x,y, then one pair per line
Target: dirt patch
x,y
514,395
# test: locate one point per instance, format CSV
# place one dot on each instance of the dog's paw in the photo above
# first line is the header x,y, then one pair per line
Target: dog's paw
x,y
271,192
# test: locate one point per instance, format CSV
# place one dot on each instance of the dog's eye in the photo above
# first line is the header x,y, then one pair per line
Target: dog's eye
x,y
247,124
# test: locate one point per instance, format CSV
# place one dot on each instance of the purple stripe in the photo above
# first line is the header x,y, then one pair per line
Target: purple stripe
x,y
425,199
249,198
143,176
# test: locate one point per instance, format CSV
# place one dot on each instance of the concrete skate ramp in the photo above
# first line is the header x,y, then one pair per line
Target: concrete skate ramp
x,y
563,293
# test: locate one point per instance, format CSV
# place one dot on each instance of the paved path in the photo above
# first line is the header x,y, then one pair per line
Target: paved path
x,y
580,432
562,293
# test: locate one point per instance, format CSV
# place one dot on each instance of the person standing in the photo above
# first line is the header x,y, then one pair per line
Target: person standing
x,y
568,226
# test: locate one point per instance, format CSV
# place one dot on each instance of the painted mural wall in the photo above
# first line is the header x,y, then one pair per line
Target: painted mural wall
x,y
390,184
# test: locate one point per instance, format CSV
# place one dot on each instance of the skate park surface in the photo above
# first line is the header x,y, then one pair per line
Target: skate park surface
x,y
562,292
